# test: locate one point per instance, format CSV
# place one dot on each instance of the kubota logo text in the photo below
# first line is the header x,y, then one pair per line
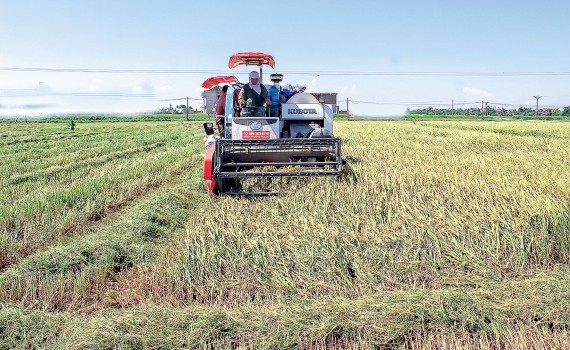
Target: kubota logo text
x,y
302,111
256,125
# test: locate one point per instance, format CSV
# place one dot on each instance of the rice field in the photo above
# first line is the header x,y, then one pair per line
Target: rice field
x,y
442,235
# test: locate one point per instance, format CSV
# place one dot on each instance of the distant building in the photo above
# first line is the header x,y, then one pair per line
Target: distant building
x,y
210,98
328,98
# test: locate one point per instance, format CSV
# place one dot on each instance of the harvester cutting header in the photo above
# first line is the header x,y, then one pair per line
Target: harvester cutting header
x,y
268,132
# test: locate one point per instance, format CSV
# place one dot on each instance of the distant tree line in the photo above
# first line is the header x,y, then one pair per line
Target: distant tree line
x,y
180,109
493,111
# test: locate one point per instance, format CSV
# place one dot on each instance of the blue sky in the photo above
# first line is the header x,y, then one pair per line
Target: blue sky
x,y
313,37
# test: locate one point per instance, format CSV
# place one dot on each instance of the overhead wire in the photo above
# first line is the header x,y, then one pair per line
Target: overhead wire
x,y
78,94
439,103
294,72
449,104
183,98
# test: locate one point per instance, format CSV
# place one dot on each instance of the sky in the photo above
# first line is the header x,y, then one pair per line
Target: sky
x,y
111,56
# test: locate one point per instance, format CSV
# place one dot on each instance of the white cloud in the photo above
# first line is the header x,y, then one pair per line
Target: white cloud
x,y
95,85
350,90
477,92
143,88
165,88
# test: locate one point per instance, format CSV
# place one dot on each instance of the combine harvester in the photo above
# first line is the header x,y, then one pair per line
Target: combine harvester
x,y
291,138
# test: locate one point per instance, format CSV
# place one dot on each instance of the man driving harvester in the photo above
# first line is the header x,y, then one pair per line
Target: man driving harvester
x,y
254,94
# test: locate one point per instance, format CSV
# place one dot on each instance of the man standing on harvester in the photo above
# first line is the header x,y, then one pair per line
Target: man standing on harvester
x,y
221,110
253,94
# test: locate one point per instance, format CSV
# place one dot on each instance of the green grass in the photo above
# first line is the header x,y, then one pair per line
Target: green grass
x,y
456,117
109,118
67,275
60,193
445,235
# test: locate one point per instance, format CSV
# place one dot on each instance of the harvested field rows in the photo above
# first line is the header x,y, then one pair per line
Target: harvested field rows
x,y
53,197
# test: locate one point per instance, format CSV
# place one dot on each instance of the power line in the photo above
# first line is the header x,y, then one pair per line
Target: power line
x,y
183,98
439,103
292,72
428,73
85,94
97,70
80,94
448,103
421,103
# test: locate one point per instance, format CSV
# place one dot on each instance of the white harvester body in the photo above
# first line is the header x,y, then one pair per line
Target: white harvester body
x,y
292,137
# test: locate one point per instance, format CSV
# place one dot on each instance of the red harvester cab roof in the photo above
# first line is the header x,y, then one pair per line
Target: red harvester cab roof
x,y
221,79
251,59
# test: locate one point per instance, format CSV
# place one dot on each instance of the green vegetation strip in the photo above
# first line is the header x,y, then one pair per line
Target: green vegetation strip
x,y
46,200
37,155
61,274
478,117
109,118
386,319
50,172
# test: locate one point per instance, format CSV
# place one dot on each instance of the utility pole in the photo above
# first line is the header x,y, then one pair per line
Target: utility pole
x,y
452,110
347,107
187,108
482,102
537,98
